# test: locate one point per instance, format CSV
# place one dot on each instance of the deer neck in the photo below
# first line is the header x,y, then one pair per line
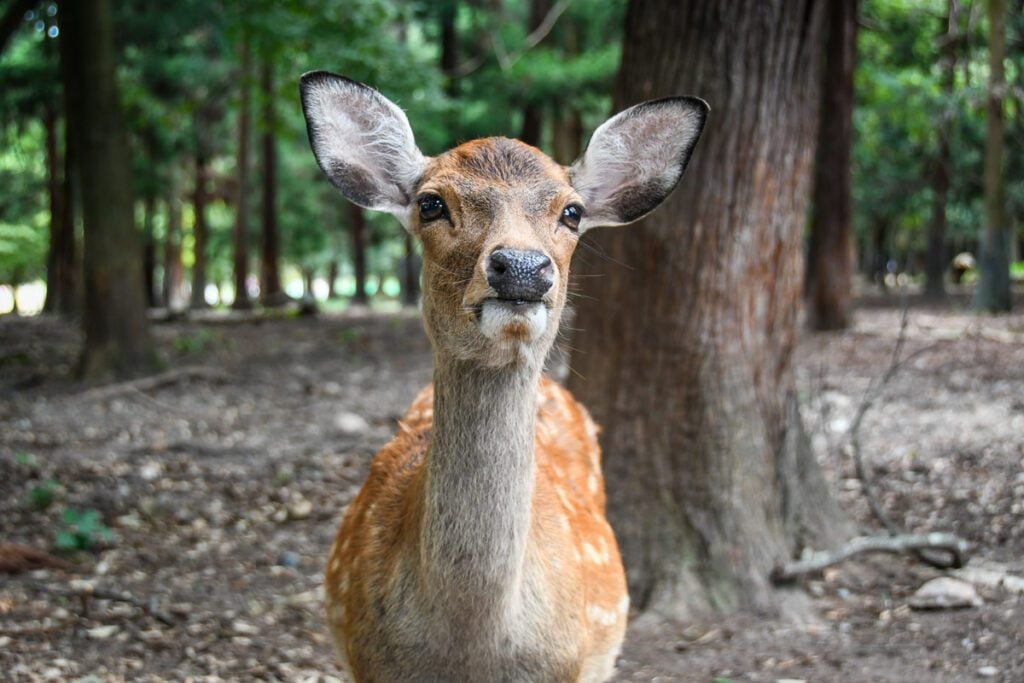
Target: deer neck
x,y
478,486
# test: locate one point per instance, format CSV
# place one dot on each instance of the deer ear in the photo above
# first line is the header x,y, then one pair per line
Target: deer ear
x,y
362,141
636,158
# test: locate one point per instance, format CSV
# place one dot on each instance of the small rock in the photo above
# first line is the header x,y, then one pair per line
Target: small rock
x,y
102,632
350,423
150,471
988,671
300,509
243,628
945,593
288,559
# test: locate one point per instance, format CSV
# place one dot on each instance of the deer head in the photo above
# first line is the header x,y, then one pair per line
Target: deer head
x,y
497,218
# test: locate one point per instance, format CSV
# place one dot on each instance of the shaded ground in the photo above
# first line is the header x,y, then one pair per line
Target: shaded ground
x,y
223,497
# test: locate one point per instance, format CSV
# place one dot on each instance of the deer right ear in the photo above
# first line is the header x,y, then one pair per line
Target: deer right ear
x,y
362,141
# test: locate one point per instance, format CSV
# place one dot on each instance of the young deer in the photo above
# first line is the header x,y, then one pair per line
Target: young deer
x,y
477,550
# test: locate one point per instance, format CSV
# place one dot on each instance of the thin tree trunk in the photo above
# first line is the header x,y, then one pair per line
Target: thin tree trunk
x,y
271,293
62,295
55,189
357,231
241,232
567,136
993,292
117,338
830,257
332,277
411,274
685,354
937,260
172,252
198,296
149,252
533,112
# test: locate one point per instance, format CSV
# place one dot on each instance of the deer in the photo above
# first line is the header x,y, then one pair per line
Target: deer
x,y
478,549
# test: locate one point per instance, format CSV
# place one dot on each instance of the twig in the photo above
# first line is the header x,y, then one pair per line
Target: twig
x,y
814,562
89,591
156,381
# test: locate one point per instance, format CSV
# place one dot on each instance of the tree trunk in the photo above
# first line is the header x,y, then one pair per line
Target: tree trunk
x,y
830,256
172,253
198,296
533,112
271,293
567,136
241,232
149,253
685,354
357,230
937,260
410,274
332,277
993,292
60,259
117,338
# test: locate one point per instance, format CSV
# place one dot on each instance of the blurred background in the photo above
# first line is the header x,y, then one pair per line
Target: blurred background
x,y
224,195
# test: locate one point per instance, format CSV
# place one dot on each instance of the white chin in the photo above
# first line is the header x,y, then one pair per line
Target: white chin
x,y
509,321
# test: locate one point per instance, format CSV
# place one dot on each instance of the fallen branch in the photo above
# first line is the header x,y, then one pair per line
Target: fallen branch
x,y
816,561
188,372
84,592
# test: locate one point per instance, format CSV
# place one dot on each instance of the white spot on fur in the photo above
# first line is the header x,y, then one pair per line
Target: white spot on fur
x,y
604,617
592,482
598,555
623,605
564,497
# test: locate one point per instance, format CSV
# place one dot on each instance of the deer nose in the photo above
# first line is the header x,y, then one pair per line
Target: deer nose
x,y
519,275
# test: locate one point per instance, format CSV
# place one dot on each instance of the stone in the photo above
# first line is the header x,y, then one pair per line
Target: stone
x,y
945,593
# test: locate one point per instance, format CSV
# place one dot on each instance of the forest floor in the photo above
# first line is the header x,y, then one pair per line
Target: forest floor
x,y
222,493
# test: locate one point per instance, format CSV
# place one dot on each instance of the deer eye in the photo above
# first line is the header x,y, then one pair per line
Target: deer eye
x,y
571,216
432,207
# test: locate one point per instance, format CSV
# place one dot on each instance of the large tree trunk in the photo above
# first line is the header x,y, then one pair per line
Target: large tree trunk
x,y
271,293
830,256
993,292
937,260
241,232
685,353
198,296
117,338
357,231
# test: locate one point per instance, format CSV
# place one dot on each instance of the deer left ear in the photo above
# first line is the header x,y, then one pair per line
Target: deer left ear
x,y
636,158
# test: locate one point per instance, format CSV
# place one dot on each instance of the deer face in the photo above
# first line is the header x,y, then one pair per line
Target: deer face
x,y
498,219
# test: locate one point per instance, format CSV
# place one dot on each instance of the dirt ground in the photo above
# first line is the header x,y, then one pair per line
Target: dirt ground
x,y
222,494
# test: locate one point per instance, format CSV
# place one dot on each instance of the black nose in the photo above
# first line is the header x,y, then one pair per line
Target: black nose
x,y
519,275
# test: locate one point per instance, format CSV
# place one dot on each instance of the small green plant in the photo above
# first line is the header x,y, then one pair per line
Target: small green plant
x,y
82,530
41,496
25,459
193,343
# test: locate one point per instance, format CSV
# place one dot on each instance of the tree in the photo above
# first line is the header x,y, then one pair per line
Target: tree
x,y
117,339
685,354
270,278
830,256
357,233
936,259
241,232
993,292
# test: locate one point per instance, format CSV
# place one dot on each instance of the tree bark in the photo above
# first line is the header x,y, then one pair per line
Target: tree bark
x,y
830,256
271,293
685,353
198,295
117,338
410,273
993,292
241,231
149,253
937,260
357,231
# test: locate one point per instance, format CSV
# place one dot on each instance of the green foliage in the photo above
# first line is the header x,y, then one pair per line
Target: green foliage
x,y
42,496
82,530
194,342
